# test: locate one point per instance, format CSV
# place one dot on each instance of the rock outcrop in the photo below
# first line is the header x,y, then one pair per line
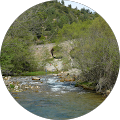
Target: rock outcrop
x,y
67,78
107,92
55,65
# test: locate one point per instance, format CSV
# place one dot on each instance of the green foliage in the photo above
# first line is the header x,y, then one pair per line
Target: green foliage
x,y
65,9
57,52
46,17
97,53
57,48
31,27
38,73
15,56
12,86
63,20
74,30
62,2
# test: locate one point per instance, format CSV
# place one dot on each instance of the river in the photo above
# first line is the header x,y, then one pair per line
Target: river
x,y
53,99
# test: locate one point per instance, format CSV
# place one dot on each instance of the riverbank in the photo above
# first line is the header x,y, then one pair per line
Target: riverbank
x,y
86,85
63,76
38,73
91,86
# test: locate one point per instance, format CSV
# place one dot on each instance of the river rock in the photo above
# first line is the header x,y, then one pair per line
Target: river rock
x,y
62,80
67,79
55,74
107,92
35,78
7,78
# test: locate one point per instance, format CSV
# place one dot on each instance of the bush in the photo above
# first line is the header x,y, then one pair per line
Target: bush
x,y
97,53
57,52
15,56
12,86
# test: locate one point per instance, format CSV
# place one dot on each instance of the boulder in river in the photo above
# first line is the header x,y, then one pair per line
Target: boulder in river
x,y
35,78
107,92
62,80
68,78
7,78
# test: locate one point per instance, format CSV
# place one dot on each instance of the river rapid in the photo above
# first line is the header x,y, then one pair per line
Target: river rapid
x,y
52,99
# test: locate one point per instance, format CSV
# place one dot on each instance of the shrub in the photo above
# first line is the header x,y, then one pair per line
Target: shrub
x,y
12,86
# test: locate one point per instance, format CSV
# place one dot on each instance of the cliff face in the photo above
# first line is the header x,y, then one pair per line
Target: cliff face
x,y
54,65
53,57
43,51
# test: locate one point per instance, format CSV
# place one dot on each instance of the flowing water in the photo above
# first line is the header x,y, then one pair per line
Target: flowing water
x,y
56,100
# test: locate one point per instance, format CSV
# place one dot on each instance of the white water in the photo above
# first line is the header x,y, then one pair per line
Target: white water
x,y
56,100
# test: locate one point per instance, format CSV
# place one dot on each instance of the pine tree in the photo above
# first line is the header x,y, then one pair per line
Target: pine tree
x,y
62,2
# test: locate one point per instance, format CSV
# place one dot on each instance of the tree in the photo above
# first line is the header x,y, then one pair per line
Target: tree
x,y
63,20
16,56
98,54
69,6
65,9
62,2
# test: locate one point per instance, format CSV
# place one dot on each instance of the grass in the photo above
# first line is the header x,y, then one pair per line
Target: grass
x,y
38,73
12,86
86,85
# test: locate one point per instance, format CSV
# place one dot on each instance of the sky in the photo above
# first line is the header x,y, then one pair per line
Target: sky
x,y
74,4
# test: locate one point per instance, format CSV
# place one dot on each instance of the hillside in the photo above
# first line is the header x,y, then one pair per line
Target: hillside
x,y
55,37
58,60
41,24
43,21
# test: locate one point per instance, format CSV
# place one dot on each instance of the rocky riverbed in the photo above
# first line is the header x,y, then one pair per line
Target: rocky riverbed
x,y
50,98
23,83
20,84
